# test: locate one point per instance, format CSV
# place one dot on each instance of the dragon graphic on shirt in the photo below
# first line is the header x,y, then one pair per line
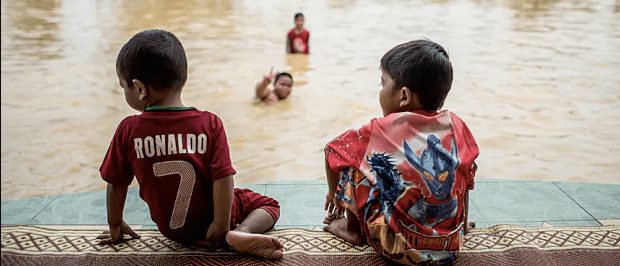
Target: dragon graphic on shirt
x,y
437,168
388,184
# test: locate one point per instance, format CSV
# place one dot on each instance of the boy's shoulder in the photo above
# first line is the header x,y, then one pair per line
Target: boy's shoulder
x,y
129,120
304,31
205,115
414,118
421,121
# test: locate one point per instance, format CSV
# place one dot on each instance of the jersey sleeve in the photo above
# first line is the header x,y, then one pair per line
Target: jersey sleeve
x,y
348,149
468,150
116,168
220,163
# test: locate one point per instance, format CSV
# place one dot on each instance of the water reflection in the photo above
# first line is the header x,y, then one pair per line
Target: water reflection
x,y
298,65
536,81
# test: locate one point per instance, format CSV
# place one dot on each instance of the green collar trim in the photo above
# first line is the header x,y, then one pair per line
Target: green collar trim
x,y
169,108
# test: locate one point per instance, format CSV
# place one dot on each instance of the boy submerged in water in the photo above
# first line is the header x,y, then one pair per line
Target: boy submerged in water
x,y
180,157
282,86
403,179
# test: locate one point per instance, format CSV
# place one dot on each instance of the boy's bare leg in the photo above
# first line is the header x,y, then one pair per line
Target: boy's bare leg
x,y
347,228
248,237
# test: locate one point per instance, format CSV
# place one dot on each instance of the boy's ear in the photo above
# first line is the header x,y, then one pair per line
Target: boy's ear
x,y
142,91
408,98
405,97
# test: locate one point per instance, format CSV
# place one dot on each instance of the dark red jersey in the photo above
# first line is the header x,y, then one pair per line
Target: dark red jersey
x,y
175,156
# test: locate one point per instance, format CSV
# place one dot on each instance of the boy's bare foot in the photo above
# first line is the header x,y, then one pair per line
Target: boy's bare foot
x,y
339,228
255,244
330,218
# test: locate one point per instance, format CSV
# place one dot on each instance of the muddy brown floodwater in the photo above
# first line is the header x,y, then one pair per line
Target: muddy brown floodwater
x,y
538,82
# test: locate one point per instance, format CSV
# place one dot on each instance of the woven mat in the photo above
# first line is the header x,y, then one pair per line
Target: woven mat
x,y
496,245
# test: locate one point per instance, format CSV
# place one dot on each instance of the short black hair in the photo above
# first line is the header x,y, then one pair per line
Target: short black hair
x,y
279,75
422,66
299,14
155,57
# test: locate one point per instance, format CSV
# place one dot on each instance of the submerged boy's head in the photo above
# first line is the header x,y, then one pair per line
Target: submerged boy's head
x,y
299,20
154,57
421,66
282,85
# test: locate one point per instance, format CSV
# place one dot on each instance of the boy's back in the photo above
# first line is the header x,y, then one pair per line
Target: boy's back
x,y
180,157
160,146
403,178
412,171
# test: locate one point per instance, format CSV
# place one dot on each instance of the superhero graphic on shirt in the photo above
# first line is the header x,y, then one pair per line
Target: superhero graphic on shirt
x,y
404,176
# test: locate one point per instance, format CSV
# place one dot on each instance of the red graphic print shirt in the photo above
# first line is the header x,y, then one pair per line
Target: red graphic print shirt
x,y
404,176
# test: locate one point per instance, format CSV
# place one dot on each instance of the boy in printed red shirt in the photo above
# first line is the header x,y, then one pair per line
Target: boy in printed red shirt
x,y
298,38
403,179
180,158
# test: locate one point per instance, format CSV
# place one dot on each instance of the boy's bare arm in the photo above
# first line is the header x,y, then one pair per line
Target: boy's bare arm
x,y
332,182
466,211
332,178
222,204
289,44
115,202
469,226
261,88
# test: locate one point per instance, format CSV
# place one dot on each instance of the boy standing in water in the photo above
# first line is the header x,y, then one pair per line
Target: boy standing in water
x,y
298,38
282,85
180,157
403,179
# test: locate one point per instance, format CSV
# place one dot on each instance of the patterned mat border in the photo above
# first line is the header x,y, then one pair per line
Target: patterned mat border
x,y
75,240
500,238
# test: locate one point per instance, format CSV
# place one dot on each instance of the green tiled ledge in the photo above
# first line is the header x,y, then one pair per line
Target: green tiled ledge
x,y
529,203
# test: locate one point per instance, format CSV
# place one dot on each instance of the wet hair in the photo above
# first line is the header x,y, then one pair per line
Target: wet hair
x,y
422,66
299,15
281,74
155,57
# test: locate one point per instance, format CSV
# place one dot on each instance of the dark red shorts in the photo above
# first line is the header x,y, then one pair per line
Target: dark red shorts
x,y
245,201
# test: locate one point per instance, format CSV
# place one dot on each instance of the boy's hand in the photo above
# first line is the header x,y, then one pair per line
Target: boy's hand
x,y
266,80
469,226
116,233
331,205
269,77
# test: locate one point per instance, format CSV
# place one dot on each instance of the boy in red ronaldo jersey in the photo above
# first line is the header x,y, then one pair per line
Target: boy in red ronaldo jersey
x,y
298,38
180,158
402,180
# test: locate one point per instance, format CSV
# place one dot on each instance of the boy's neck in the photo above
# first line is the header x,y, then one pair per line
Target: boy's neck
x,y
167,108
171,100
416,110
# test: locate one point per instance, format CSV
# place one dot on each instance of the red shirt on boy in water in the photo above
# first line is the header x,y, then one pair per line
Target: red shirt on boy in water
x,y
298,42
